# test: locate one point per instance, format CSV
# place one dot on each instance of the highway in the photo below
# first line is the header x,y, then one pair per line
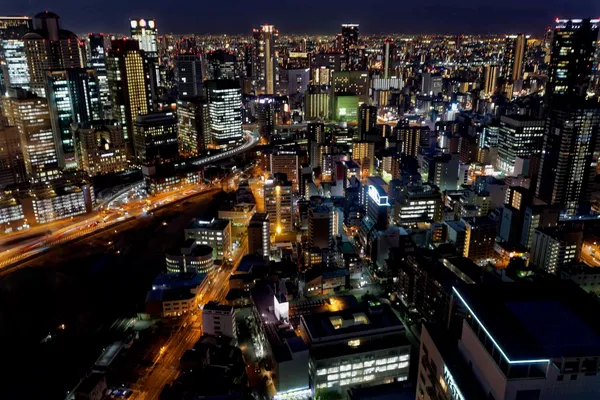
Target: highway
x,y
166,366
59,232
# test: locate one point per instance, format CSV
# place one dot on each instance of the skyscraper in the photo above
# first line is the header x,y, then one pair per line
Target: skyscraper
x,y
188,75
129,82
73,97
48,47
567,166
145,32
12,164
99,147
367,120
97,60
225,110
259,237
320,226
221,64
155,138
572,56
490,79
30,115
279,203
519,136
265,60
514,56
349,36
193,125
13,62
388,57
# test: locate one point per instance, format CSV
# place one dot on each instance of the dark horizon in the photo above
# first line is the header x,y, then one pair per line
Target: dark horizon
x,y
466,17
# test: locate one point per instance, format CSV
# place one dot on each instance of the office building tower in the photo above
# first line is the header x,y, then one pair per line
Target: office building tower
x,y
567,167
513,214
193,126
572,56
320,226
215,233
317,103
538,215
13,62
221,64
265,59
388,58
225,111
97,59
367,121
490,79
188,75
480,234
279,203
378,207
519,136
99,147
364,154
145,32
349,36
155,138
31,116
408,136
219,320
259,235
129,83
73,96
12,163
322,66
554,248
48,47
514,57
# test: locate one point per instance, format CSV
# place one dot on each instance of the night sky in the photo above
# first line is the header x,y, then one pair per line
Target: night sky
x,y
311,16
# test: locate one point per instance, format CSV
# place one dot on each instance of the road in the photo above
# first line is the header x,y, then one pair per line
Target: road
x,y
60,232
166,367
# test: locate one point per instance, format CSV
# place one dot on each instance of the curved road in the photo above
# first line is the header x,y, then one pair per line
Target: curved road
x,y
105,219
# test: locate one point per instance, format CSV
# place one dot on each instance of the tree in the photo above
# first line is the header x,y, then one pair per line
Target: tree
x,y
327,395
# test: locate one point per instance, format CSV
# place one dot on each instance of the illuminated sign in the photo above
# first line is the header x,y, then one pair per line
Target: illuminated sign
x,y
453,389
377,198
133,24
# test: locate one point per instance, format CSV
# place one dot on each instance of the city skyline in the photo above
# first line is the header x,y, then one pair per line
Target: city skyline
x,y
466,16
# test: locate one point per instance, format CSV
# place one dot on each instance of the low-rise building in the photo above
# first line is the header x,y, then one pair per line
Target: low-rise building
x,y
190,257
215,233
321,282
219,320
358,346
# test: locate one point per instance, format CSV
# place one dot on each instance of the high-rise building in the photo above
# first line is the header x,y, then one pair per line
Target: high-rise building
x,y
514,56
31,116
349,36
48,47
225,110
519,136
317,103
431,84
97,60
73,97
193,126
129,83
12,163
480,235
367,121
155,138
409,137
490,79
388,58
13,62
320,226
99,147
145,32
572,56
286,162
364,153
567,167
259,235
221,64
188,75
279,203
266,55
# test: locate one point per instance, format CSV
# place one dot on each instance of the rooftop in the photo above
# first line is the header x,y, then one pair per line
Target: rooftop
x,y
535,321
213,224
179,280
